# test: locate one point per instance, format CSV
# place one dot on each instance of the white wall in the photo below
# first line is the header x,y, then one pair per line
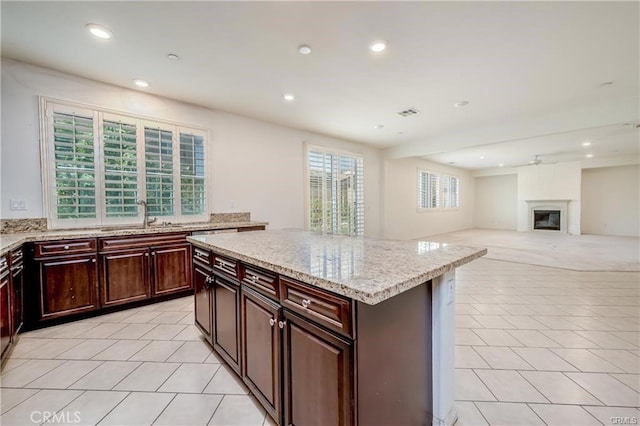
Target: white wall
x,y
550,182
255,166
611,201
496,202
402,220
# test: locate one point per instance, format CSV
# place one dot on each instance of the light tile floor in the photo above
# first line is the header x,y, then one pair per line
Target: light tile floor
x,y
535,345
541,345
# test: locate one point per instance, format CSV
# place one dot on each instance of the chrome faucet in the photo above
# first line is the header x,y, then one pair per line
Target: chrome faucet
x,y
146,221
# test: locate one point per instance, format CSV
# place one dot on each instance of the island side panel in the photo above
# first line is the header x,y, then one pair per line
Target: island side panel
x,y
393,353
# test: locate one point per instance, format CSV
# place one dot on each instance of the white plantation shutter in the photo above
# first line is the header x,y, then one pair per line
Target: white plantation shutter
x,y
98,163
192,179
120,160
428,190
158,151
450,195
74,164
336,192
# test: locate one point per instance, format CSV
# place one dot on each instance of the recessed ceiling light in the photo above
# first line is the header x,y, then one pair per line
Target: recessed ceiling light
x,y
452,162
304,49
289,97
399,133
606,84
461,104
173,56
589,156
378,126
99,31
378,46
141,83
482,157
501,165
586,143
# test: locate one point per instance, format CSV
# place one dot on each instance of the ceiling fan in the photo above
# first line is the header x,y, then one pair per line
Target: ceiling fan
x,y
534,162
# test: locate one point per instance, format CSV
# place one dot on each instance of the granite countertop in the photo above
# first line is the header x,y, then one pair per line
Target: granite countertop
x,y
369,270
9,242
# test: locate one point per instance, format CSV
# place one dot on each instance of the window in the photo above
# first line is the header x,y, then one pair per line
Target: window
x,y
437,191
336,192
428,190
450,196
99,164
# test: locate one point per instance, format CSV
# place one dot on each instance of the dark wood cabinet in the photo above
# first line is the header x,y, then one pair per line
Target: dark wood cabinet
x,y
318,375
68,285
203,299
124,277
17,284
134,268
5,310
171,268
226,320
261,360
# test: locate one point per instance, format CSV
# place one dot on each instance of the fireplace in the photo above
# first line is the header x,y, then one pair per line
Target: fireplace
x,y
548,220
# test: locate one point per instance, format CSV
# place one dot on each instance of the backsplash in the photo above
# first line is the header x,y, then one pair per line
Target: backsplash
x,y
230,217
12,226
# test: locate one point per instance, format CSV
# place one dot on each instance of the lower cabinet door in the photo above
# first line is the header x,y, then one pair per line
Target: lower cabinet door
x,y
318,375
172,269
226,319
203,300
17,280
68,286
5,314
261,363
124,277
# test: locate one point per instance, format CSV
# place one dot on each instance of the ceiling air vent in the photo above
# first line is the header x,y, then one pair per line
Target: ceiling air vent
x,y
408,112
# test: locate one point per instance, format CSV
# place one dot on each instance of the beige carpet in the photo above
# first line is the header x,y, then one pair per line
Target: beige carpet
x,y
575,252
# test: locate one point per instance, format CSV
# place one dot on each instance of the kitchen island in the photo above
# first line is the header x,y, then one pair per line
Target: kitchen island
x,y
333,330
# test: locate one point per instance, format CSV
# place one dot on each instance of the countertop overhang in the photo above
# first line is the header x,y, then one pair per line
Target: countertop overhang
x,y
9,242
369,270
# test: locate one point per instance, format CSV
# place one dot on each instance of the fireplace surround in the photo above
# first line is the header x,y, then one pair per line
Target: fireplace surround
x,y
548,215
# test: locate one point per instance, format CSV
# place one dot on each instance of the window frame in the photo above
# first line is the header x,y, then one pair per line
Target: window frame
x,y
307,180
49,106
440,206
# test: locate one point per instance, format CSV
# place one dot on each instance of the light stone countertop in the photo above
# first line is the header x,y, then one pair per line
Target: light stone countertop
x,y
369,270
9,242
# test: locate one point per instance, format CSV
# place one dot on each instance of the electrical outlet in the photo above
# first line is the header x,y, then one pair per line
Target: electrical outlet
x,y
451,291
17,204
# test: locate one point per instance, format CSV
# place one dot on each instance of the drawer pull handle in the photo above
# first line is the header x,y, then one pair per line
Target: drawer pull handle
x,y
66,247
306,303
272,321
281,324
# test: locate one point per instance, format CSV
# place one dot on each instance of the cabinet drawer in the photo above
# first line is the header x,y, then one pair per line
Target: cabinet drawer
x,y
16,257
202,256
62,247
4,266
135,241
262,281
320,306
226,265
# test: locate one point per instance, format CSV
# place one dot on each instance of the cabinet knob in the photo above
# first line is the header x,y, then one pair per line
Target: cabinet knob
x,y
93,260
272,321
281,323
306,303
66,247
254,278
146,254
153,254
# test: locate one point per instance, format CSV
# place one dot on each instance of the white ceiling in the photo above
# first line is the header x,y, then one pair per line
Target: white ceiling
x,y
530,70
